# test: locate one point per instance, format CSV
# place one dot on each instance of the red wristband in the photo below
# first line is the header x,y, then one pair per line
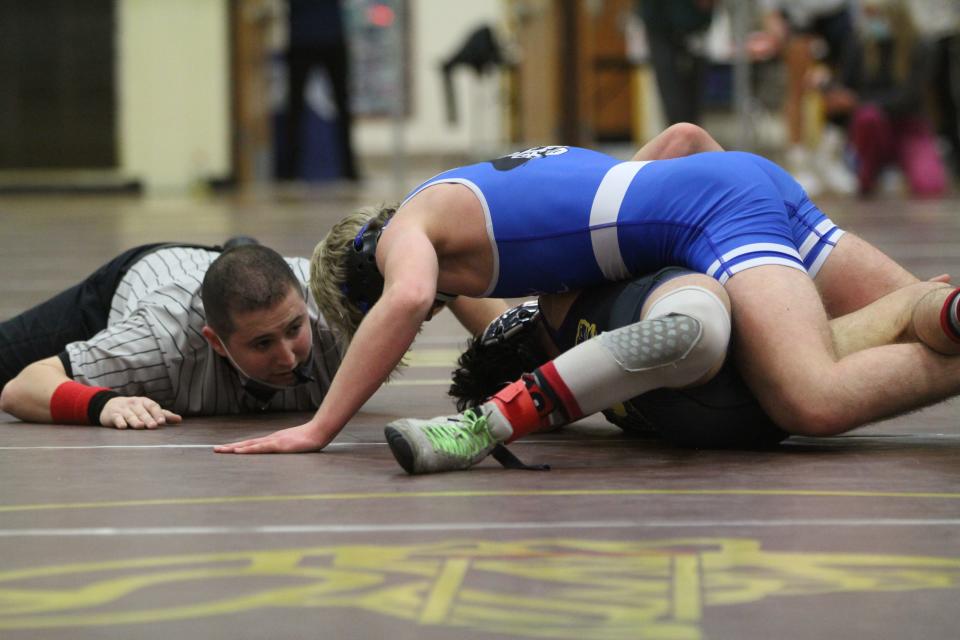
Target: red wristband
x,y
69,402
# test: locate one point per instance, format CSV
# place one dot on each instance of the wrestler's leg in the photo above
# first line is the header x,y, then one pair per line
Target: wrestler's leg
x,y
850,272
936,320
678,140
656,300
680,341
856,273
683,341
593,380
724,413
888,320
784,349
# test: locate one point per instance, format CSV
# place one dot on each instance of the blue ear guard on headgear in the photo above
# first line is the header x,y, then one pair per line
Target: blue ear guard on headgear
x,y
364,284
513,322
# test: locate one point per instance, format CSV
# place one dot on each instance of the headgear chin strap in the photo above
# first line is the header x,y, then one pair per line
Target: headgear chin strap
x,y
364,283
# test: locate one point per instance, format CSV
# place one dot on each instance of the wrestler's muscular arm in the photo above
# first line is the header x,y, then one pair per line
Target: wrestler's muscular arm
x,y
28,397
410,267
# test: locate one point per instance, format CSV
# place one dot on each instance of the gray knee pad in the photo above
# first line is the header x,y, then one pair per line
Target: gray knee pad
x,y
685,335
652,343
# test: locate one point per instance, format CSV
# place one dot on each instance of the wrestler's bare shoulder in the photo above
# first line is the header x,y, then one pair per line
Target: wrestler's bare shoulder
x,y
450,200
451,215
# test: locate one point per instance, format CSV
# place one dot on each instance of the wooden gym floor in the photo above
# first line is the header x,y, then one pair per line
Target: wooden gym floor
x,y
122,534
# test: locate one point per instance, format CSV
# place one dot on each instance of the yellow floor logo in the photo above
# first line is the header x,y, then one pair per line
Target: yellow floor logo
x,y
553,588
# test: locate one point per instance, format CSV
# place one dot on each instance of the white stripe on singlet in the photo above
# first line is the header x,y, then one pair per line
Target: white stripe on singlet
x,y
828,246
756,247
153,343
603,218
814,237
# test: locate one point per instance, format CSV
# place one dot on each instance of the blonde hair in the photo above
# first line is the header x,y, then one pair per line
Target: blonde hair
x,y
328,270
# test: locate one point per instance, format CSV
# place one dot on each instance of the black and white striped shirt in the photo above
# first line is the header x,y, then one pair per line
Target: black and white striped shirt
x,y
153,345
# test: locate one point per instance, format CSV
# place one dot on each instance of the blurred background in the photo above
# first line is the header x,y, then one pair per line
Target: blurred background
x,y
173,97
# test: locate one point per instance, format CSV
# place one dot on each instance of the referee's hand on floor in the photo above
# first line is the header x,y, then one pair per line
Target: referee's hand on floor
x,y
136,412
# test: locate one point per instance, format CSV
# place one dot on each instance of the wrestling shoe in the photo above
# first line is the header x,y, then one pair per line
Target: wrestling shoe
x,y
444,443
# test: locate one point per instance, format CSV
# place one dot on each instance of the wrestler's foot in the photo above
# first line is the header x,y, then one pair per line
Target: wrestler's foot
x,y
445,443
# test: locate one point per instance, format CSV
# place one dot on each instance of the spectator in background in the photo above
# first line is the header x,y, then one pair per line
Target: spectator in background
x,y
938,22
886,72
673,28
316,40
805,32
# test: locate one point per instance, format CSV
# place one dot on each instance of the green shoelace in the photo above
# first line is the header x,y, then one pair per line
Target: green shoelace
x,y
466,438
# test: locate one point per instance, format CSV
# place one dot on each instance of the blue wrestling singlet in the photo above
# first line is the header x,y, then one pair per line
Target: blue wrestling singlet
x,y
562,218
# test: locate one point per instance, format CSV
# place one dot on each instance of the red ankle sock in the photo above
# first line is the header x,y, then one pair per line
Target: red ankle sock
x,y
537,400
516,404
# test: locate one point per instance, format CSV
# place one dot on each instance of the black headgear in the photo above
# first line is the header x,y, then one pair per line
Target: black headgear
x,y
364,284
511,323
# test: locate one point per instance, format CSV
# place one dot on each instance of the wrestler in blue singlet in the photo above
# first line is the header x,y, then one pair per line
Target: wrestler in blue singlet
x,y
566,218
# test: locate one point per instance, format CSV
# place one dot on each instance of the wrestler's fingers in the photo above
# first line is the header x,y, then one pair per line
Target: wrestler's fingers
x,y
263,446
171,418
232,447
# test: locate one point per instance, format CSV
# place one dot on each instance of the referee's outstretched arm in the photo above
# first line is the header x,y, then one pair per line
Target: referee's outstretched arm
x,y
43,392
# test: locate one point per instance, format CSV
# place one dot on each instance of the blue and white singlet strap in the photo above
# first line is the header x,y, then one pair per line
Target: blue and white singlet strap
x,y
488,222
603,218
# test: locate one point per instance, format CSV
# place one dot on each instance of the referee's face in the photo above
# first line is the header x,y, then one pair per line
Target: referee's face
x,y
268,344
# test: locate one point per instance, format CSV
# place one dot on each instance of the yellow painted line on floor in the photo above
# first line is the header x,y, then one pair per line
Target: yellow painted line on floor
x,y
444,591
433,357
687,602
424,358
542,493
603,588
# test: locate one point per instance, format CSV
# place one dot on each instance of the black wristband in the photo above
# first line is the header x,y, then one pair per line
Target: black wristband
x,y
96,404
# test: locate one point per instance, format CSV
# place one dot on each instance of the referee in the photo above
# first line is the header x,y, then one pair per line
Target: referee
x,y
170,330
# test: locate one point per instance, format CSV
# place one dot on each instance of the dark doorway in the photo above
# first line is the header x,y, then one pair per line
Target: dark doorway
x,y
58,103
